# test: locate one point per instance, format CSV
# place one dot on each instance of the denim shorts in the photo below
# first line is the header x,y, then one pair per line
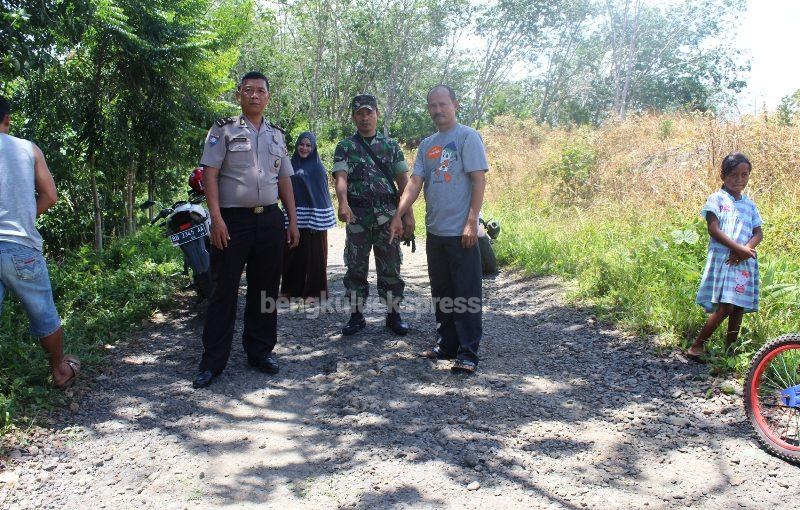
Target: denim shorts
x,y
23,271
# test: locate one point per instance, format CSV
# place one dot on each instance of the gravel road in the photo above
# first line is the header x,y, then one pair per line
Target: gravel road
x,y
565,412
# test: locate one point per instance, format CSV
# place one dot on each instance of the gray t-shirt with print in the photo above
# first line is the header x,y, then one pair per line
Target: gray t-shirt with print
x,y
443,161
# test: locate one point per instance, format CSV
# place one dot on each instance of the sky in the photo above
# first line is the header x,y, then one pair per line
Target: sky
x,y
769,33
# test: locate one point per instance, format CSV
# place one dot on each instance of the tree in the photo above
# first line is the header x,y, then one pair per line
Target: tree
x,y
512,30
133,99
672,55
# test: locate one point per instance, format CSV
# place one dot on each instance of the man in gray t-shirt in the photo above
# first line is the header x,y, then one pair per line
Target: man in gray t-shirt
x,y
451,165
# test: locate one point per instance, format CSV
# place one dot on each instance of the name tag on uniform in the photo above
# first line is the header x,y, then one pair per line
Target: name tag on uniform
x,y
239,144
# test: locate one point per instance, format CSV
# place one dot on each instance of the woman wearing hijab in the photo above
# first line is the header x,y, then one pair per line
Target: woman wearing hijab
x,y
305,267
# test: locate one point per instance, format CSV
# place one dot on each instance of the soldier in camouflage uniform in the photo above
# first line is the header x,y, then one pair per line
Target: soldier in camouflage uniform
x,y
367,203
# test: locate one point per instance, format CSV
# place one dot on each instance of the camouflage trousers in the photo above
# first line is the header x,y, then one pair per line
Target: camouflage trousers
x,y
388,258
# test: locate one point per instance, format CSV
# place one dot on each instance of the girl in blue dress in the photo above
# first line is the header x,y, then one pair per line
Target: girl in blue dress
x,y
729,287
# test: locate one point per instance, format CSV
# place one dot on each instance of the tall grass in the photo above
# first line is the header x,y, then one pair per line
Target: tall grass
x,y
617,210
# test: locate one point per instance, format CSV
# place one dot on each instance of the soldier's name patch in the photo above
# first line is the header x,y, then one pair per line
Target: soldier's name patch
x,y
213,139
239,139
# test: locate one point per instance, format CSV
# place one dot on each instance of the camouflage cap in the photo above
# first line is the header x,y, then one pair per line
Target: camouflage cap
x,y
364,101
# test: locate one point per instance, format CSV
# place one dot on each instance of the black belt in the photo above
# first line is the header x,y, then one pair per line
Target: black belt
x,y
372,202
254,210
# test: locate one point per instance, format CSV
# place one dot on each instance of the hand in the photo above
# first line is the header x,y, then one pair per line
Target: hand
x,y
395,228
408,226
346,214
293,235
743,252
470,235
733,260
219,233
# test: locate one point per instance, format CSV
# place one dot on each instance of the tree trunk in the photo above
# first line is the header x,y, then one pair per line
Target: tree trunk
x,y
631,59
130,197
98,213
150,188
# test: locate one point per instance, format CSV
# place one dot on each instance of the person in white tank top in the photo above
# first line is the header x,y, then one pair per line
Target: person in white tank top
x,y
26,191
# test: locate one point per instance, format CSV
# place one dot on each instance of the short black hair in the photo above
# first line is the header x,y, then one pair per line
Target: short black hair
x,y
5,108
732,160
448,88
253,75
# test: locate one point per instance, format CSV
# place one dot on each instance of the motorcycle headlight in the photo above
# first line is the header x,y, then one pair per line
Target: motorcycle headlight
x,y
493,229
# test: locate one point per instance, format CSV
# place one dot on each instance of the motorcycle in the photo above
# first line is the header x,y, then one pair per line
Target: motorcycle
x,y
488,231
188,226
772,397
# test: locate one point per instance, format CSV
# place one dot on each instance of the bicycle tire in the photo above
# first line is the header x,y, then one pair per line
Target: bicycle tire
x,y
767,437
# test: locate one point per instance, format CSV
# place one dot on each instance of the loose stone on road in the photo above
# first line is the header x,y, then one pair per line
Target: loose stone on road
x,y
565,412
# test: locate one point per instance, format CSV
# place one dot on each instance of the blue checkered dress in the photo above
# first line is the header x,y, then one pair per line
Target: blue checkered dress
x,y
721,282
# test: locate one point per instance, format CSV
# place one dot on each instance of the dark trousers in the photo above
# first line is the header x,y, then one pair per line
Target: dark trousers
x,y
456,287
256,240
305,267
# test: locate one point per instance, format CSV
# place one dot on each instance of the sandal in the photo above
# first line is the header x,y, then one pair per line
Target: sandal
x,y
434,353
74,364
696,358
465,366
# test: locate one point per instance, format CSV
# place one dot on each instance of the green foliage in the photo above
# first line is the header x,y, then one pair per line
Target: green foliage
x,y
99,298
572,167
665,129
643,273
788,109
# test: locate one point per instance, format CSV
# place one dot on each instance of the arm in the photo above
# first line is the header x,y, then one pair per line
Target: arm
x,y
286,194
758,236
470,235
43,182
219,231
345,213
402,182
410,194
738,251
408,217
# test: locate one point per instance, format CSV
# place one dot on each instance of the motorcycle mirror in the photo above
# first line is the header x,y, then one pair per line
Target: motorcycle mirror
x,y
147,204
161,214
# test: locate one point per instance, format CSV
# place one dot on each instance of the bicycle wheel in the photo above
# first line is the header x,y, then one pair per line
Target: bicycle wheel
x,y
772,397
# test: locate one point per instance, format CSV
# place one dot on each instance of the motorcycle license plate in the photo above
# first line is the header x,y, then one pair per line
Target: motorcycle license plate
x,y
189,235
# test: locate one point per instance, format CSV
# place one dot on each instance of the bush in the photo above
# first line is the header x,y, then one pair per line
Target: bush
x,y
572,167
99,298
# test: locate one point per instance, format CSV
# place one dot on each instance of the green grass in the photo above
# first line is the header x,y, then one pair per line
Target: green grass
x,y
100,299
642,273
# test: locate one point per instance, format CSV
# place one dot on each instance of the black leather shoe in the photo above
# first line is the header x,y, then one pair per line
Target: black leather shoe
x,y
203,379
396,324
355,324
267,364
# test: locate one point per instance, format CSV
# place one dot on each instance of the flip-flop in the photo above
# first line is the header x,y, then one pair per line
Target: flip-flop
x,y
74,364
696,358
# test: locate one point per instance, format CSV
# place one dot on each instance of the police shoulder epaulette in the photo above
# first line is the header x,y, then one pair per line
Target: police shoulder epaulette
x,y
224,120
278,128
